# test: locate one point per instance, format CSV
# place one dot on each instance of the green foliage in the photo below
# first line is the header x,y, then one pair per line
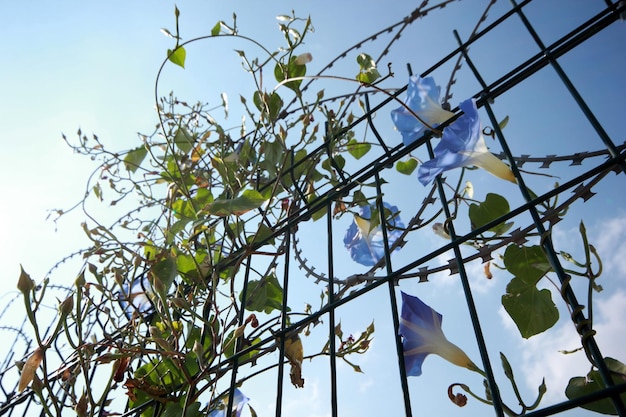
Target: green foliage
x,y
406,167
290,70
489,210
134,158
368,72
183,140
532,310
269,105
249,200
177,56
264,294
357,149
163,273
592,382
526,262
230,344
211,199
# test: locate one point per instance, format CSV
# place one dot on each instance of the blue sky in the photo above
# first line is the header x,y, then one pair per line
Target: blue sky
x,y
92,66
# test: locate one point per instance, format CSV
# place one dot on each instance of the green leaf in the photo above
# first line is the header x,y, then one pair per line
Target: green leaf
x,y
489,210
283,72
406,167
358,149
150,250
263,233
161,372
339,162
368,72
264,295
579,386
203,196
275,104
249,200
257,99
532,310
177,56
319,213
164,272
174,229
273,152
175,410
216,29
183,209
97,190
187,265
134,158
294,171
229,347
183,140
269,104
359,198
529,263
159,378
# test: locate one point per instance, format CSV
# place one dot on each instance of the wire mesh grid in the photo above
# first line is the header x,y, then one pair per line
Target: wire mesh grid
x,y
300,238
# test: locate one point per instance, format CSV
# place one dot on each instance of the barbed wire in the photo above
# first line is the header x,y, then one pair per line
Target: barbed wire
x,y
576,159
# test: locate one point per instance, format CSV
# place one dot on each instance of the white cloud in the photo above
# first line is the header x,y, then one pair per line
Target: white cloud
x,y
611,327
475,270
366,384
507,321
542,358
610,241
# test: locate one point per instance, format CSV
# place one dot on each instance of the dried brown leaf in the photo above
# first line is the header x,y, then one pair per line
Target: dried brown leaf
x,y
29,369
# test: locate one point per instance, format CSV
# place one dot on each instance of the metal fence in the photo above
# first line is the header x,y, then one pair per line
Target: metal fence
x,y
590,168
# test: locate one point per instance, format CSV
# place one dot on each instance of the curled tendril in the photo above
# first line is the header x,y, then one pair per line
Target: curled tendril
x,y
458,398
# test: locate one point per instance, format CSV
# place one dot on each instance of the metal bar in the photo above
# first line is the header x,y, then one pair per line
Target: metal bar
x,y
568,294
283,325
240,319
393,302
582,324
569,85
469,299
331,311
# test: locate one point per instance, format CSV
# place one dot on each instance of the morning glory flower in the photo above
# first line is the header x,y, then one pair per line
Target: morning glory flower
x,y
420,328
239,400
463,144
367,246
135,298
423,99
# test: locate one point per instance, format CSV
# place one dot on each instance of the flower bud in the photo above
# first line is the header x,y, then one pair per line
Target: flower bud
x,y
80,279
239,330
199,351
66,306
304,58
24,283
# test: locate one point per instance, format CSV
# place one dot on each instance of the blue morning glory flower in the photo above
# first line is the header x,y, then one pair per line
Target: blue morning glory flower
x,y
239,400
367,246
462,144
420,328
423,99
135,298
